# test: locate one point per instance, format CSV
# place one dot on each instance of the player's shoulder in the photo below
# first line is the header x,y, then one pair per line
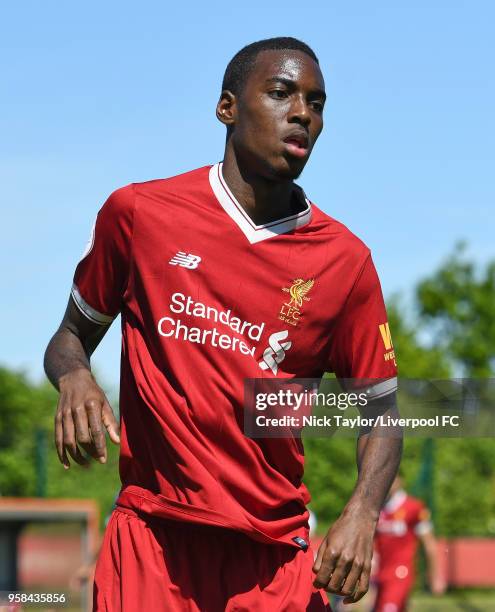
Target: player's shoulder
x,y
121,198
183,185
119,206
336,233
123,201
413,503
416,509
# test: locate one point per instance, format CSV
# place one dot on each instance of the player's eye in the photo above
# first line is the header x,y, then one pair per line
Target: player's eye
x,y
278,94
317,106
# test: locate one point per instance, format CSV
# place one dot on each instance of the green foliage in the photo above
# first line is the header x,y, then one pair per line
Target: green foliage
x,y
26,409
465,487
458,301
330,475
23,408
413,359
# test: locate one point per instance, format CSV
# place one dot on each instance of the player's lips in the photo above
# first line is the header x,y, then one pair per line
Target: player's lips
x,y
297,143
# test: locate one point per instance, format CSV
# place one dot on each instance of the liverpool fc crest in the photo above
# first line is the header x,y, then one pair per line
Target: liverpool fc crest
x,y
290,312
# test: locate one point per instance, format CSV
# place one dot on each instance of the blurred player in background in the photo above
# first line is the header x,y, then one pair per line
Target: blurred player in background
x,y
404,521
223,274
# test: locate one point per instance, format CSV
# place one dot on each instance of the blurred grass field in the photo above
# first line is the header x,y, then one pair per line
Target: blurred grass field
x,y
462,600
457,601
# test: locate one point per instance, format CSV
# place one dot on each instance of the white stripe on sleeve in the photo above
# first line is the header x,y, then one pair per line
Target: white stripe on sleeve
x,y
88,311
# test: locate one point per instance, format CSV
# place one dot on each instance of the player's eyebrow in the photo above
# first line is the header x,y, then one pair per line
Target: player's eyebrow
x,y
292,84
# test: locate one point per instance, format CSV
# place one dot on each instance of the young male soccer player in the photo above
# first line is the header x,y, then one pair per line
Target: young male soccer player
x,y
221,274
403,522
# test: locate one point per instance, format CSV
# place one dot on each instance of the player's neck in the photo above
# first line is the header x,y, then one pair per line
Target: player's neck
x,y
263,200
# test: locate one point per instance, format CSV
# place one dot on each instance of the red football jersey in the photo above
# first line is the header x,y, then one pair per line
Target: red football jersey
x,y
205,298
401,521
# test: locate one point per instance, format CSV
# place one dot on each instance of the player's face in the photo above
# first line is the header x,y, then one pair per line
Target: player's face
x,y
278,116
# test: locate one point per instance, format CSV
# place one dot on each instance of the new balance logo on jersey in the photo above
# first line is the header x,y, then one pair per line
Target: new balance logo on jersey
x,y
275,353
186,260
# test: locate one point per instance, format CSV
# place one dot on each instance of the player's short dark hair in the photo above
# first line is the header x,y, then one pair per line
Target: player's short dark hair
x,y
242,63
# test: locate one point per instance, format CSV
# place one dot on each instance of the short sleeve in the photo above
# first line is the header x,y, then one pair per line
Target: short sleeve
x,y
422,523
102,274
361,345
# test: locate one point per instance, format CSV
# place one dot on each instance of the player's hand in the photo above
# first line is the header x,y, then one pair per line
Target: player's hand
x,y
437,585
343,562
83,415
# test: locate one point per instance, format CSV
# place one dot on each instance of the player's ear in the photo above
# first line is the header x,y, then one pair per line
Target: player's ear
x,y
226,108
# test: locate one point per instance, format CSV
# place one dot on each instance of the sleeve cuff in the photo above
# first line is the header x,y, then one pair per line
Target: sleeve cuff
x,y
381,389
88,311
423,528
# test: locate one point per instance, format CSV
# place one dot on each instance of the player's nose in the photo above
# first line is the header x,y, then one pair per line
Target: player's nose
x,y
299,110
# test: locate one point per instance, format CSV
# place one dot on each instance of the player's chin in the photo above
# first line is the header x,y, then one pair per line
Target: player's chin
x,y
290,167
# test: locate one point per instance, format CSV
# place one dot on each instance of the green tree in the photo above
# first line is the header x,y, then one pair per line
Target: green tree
x,y
414,360
25,410
457,304
465,487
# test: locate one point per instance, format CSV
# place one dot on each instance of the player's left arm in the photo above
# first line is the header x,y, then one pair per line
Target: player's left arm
x,y
362,357
343,563
424,531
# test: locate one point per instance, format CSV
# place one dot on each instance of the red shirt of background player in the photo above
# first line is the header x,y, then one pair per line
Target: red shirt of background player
x,y
402,520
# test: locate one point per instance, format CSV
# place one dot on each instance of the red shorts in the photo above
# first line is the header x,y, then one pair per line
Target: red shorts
x,y
168,566
392,595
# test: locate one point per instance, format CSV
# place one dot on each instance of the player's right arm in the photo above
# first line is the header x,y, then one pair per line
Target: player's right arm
x,y
98,293
83,411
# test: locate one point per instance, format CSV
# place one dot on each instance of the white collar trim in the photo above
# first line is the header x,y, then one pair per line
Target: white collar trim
x,y
254,233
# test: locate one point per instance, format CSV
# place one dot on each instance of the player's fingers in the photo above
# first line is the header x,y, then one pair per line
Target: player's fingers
x,y
319,557
59,439
78,457
68,428
80,420
83,434
328,564
110,423
350,583
94,414
340,573
70,437
362,585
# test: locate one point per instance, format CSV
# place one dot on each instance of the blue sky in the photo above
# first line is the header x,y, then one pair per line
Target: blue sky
x,y
96,95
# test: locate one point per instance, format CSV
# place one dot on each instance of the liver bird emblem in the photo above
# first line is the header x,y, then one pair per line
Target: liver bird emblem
x,y
298,291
